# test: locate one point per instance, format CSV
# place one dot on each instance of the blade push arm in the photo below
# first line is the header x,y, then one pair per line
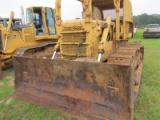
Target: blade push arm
x,y
10,22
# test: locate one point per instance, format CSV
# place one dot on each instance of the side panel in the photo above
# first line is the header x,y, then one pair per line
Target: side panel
x,y
128,14
127,20
28,34
90,90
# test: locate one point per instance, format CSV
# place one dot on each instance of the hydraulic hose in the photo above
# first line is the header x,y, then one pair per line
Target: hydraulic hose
x,y
80,43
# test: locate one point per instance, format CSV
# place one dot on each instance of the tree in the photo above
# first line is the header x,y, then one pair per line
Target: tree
x,y
145,19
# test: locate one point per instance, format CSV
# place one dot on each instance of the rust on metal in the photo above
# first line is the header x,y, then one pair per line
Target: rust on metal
x,y
91,90
127,54
131,54
23,50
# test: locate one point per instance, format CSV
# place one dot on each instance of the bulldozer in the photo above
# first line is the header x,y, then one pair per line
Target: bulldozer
x,y
37,36
94,72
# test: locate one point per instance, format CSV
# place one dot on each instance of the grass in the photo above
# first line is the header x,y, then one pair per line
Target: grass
x,y
15,109
148,106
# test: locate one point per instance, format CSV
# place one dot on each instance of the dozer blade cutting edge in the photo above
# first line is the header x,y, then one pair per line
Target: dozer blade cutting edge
x,y
94,91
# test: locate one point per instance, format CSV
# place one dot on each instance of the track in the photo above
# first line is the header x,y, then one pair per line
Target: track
x,y
127,55
131,54
41,52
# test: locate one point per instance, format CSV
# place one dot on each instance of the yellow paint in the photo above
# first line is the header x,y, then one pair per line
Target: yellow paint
x,y
101,36
24,37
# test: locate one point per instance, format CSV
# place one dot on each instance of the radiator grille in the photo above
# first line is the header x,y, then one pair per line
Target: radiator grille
x,y
1,47
71,50
73,37
74,28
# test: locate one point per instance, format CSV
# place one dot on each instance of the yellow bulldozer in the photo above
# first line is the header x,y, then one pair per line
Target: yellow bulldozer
x,y
94,72
38,36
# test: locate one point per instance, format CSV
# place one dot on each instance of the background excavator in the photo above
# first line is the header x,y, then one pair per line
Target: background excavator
x,y
4,22
37,36
94,72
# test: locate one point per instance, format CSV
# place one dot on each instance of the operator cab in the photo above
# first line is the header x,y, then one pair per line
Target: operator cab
x,y
38,21
43,22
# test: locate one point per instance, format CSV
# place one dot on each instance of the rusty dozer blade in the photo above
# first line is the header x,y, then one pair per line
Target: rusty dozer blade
x,y
87,90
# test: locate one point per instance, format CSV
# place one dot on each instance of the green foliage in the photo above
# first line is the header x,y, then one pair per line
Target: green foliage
x,y
145,19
